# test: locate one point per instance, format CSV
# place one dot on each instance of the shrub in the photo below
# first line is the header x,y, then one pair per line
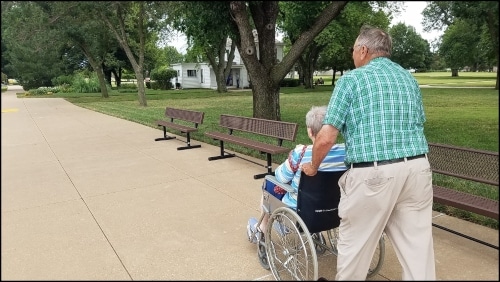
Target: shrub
x,y
65,88
155,85
132,86
83,84
290,82
43,91
35,83
126,75
62,79
163,75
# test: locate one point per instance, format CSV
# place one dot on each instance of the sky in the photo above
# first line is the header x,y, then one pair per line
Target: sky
x,y
412,16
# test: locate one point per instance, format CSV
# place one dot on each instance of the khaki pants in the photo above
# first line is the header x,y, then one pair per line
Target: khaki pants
x,y
395,198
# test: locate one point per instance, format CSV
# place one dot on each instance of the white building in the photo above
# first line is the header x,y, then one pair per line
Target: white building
x,y
202,75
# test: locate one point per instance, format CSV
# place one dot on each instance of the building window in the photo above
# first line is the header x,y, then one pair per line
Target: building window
x,y
191,73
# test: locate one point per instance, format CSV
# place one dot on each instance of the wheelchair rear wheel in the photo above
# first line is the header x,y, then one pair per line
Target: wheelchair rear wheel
x,y
290,249
378,256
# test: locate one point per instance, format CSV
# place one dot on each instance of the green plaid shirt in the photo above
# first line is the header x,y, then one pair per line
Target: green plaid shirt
x,y
378,109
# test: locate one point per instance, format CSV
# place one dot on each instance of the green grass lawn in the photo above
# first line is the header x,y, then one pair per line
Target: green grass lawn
x,y
444,79
467,117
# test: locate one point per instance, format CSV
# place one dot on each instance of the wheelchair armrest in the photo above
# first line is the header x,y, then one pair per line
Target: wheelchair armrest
x,y
272,179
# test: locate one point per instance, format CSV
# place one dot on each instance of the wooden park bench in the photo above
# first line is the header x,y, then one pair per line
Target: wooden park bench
x,y
279,130
186,117
468,164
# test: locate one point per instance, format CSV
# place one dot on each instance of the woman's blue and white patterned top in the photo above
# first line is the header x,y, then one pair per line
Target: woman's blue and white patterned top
x,y
334,161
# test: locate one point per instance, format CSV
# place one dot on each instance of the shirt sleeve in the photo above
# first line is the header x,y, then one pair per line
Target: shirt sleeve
x,y
338,106
284,172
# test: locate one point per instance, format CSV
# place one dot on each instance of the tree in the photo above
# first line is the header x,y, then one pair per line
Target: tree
x,y
31,52
68,25
265,72
294,18
133,24
114,63
70,21
409,49
207,26
341,33
169,55
117,17
481,14
459,45
330,47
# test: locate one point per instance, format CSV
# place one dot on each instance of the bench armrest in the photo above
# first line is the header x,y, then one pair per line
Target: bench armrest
x,y
287,187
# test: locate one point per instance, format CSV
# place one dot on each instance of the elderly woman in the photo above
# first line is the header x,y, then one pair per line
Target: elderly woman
x,y
289,171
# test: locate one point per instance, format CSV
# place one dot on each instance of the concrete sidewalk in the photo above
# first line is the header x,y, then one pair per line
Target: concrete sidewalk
x,y
87,196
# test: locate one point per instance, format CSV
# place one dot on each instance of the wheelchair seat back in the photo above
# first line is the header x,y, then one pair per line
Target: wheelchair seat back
x,y
318,200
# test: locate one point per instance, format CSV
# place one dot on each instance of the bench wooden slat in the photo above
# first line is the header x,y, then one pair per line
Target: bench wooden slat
x,y
271,128
280,130
256,145
465,201
196,117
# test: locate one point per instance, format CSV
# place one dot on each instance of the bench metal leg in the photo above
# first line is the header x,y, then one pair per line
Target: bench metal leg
x,y
188,141
262,175
165,136
222,154
269,168
188,147
465,236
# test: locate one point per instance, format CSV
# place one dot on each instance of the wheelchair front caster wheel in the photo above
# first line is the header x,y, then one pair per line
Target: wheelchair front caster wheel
x,y
261,253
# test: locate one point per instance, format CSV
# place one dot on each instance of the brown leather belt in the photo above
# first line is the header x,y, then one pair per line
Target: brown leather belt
x,y
370,164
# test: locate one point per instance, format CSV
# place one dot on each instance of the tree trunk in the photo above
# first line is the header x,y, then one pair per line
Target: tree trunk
x,y
300,73
454,72
498,76
333,76
308,75
102,84
97,68
118,76
138,67
220,67
107,74
141,93
310,58
266,97
221,80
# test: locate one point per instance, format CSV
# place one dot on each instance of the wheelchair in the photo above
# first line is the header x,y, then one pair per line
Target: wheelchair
x,y
294,238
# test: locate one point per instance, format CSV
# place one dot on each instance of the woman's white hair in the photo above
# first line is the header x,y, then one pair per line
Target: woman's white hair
x,y
314,118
